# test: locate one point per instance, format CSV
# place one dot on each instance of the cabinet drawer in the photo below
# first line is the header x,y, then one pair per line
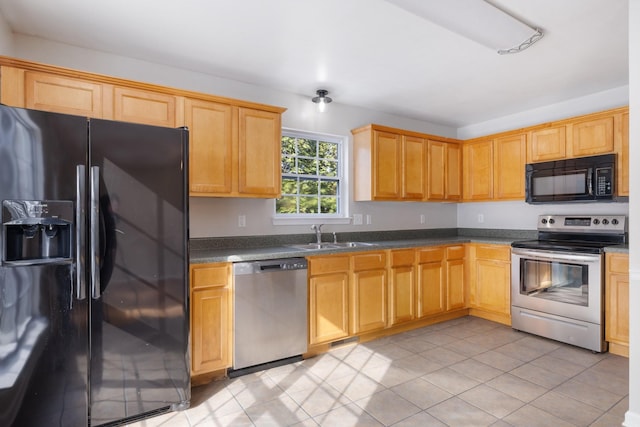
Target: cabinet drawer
x,y
496,252
369,261
617,263
213,275
402,257
455,252
328,264
430,254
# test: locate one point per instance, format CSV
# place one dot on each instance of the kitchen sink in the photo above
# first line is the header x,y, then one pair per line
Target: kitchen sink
x,y
327,245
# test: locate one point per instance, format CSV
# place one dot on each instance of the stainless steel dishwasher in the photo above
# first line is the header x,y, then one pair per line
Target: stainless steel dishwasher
x,y
270,313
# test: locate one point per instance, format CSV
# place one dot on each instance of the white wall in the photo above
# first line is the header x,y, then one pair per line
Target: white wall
x,y
6,38
632,418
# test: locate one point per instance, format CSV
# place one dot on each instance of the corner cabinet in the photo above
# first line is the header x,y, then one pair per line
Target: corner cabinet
x,y
440,280
489,277
617,303
211,317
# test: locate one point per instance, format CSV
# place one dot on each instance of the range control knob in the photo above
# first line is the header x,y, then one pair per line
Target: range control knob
x,y
552,221
596,221
605,221
544,220
614,221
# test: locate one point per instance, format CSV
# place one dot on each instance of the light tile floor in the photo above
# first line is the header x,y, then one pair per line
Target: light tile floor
x,y
464,372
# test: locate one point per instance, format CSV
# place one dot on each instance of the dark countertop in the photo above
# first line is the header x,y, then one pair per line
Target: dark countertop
x,y
260,248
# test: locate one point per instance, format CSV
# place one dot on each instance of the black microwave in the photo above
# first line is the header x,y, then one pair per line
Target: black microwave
x,y
583,179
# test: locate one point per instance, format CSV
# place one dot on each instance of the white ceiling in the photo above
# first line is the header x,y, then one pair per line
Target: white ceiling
x,y
365,52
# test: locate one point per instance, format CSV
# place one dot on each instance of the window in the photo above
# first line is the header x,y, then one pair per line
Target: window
x,y
312,176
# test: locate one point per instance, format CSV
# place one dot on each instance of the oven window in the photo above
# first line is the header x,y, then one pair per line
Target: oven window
x,y
555,280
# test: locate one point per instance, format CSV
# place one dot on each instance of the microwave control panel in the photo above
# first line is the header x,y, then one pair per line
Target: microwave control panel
x,y
604,181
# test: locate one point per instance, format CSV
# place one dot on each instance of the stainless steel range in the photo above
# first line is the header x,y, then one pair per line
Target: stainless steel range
x,y
557,281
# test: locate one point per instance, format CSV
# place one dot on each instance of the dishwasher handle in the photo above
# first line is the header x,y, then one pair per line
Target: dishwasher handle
x,y
269,266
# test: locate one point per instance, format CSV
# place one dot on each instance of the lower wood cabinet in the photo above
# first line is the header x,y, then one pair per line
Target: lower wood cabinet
x,y
490,281
368,292
211,317
617,303
402,286
440,279
328,298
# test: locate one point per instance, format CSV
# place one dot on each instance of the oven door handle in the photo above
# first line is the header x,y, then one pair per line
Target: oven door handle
x,y
554,256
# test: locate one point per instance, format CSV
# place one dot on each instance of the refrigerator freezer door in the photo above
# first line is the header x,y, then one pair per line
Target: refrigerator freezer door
x,y
139,314
43,325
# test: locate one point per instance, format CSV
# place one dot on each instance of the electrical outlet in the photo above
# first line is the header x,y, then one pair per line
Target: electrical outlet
x,y
242,220
368,218
423,219
480,218
357,219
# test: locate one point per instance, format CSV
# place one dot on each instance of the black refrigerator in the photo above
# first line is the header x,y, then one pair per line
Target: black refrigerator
x,y
94,318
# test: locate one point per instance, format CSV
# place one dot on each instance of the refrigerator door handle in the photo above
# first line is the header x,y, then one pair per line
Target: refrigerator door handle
x,y
81,292
94,235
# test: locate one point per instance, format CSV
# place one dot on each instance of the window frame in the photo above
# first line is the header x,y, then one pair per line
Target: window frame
x,y
342,217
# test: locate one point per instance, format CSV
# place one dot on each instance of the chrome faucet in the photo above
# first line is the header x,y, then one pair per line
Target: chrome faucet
x,y
318,230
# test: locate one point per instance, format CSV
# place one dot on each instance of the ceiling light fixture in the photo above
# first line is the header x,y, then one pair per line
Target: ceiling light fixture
x,y
322,99
477,20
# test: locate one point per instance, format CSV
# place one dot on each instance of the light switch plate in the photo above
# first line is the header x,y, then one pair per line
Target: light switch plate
x,y
357,219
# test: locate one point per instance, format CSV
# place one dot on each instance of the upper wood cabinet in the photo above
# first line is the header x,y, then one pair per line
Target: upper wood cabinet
x,y
392,164
58,94
444,167
477,167
591,137
144,106
509,158
549,143
234,146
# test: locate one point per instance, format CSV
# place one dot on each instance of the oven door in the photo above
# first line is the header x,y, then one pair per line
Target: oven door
x,y
558,283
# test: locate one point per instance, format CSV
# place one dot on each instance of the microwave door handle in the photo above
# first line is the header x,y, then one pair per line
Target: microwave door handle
x,y
590,181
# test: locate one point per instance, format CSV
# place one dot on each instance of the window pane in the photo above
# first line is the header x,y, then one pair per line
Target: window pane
x,y
328,168
287,205
288,145
328,188
329,205
289,165
307,166
289,186
307,147
328,150
308,204
309,187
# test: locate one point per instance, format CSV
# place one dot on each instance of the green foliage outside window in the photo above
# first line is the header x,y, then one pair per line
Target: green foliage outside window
x,y
310,176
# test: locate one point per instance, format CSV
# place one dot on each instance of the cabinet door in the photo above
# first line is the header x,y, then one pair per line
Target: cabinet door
x,y
453,179
547,144
508,166
437,170
493,287
455,278
592,137
386,166
142,106
431,281
623,157
369,301
210,146
66,95
210,331
402,286
617,308
328,307
413,168
478,170
259,172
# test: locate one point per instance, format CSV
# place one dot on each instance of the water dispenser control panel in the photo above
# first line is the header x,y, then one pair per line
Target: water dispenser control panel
x,y
37,232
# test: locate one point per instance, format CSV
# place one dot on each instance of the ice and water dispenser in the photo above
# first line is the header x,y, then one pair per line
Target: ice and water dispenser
x,y
36,231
